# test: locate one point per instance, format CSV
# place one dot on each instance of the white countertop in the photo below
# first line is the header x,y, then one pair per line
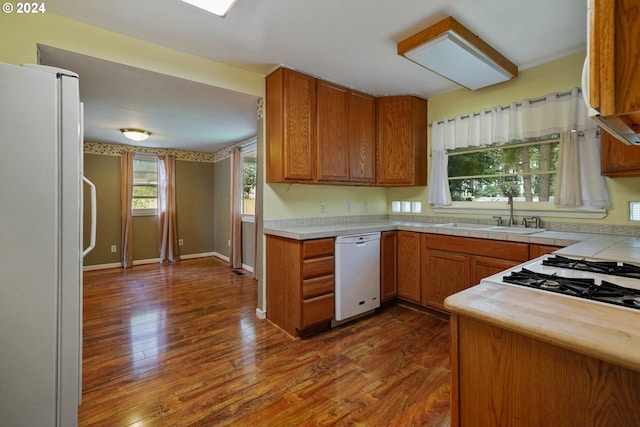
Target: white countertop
x,y
618,248
318,231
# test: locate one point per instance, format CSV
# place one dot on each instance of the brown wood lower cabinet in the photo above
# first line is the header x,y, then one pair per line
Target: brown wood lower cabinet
x,y
409,265
445,273
482,267
452,264
300,278
536,250
388,266
502,378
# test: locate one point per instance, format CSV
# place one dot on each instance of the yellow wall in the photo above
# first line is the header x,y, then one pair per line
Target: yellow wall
x,y
555,76
283,201
19,35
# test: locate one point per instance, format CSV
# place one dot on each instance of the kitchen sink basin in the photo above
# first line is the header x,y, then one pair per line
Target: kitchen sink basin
x,y
463,225
492,228
514,230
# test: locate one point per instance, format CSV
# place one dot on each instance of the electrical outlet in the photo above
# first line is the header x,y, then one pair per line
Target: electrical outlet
x,y
114,249
323,207
348,206
180,242
366,206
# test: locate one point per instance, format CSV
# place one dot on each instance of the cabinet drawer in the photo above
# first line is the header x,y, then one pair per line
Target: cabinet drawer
x,y
316,310
317,286
317,267
317,248
514,251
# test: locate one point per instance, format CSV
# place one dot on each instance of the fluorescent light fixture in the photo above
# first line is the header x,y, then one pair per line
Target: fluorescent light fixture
x,y
450,50
218,7
136,135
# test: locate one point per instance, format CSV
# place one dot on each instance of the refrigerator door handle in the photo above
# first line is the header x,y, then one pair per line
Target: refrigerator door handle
x,y
92,243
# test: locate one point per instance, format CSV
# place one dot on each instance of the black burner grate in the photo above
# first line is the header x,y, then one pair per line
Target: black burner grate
x,y
606,292
604,267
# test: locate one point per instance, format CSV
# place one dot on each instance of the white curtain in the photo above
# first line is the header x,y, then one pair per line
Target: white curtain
x,y
530,118
578,181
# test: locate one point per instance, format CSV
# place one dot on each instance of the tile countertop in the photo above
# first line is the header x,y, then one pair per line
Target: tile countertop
x,y
598,330
318,231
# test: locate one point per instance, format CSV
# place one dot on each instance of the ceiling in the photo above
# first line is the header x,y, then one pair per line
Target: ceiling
x,y
351,42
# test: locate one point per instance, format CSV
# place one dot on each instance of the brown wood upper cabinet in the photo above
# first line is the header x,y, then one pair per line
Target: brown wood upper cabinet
x,y
401,154
618,159
614,52
318,131
345,135
290,126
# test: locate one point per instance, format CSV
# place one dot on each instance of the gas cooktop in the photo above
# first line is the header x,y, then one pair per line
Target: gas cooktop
x,y
609,282
586,288
604,267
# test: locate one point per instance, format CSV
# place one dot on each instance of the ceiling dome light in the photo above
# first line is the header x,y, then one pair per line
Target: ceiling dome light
x,y
136,134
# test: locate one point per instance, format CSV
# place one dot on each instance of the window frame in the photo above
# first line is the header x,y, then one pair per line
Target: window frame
x,y
523,208
145,211
251,148
551,140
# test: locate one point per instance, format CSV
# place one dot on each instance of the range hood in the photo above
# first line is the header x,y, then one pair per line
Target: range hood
x,y
452,51
624,127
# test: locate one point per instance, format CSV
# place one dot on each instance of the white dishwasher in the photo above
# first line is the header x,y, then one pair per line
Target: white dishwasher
x,y
357,274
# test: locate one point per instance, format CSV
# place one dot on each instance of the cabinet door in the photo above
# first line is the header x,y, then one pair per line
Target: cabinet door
x,y
536,250
362,137
409,265
332,161
401,154
613,53
388,266
444,274
484,267
618,159
395,150
299,138
290,124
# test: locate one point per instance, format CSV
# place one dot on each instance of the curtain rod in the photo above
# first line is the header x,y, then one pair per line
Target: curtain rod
x,y
518,104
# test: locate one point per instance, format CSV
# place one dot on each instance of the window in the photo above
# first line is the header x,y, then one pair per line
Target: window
x,y
249,159
525,170
145,185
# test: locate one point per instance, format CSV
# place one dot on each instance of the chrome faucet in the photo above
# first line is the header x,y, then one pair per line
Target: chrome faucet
x,y
512,221
534,219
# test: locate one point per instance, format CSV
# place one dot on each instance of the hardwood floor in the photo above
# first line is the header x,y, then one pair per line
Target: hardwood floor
x,y
180,345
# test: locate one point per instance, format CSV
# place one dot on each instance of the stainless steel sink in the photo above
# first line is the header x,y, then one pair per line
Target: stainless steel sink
x,y
490,228
462,225
515,230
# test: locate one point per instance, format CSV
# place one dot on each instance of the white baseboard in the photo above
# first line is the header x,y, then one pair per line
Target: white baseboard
x,y
222,257
147,261
247,267
261,314
200,255
101,266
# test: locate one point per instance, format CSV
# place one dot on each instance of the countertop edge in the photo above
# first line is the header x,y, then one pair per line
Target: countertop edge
x,y
585,327
309,232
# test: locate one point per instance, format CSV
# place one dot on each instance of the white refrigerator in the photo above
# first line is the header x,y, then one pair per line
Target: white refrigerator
x,y
41,191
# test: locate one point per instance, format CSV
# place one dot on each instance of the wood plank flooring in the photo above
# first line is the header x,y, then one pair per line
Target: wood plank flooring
x,y
180,345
